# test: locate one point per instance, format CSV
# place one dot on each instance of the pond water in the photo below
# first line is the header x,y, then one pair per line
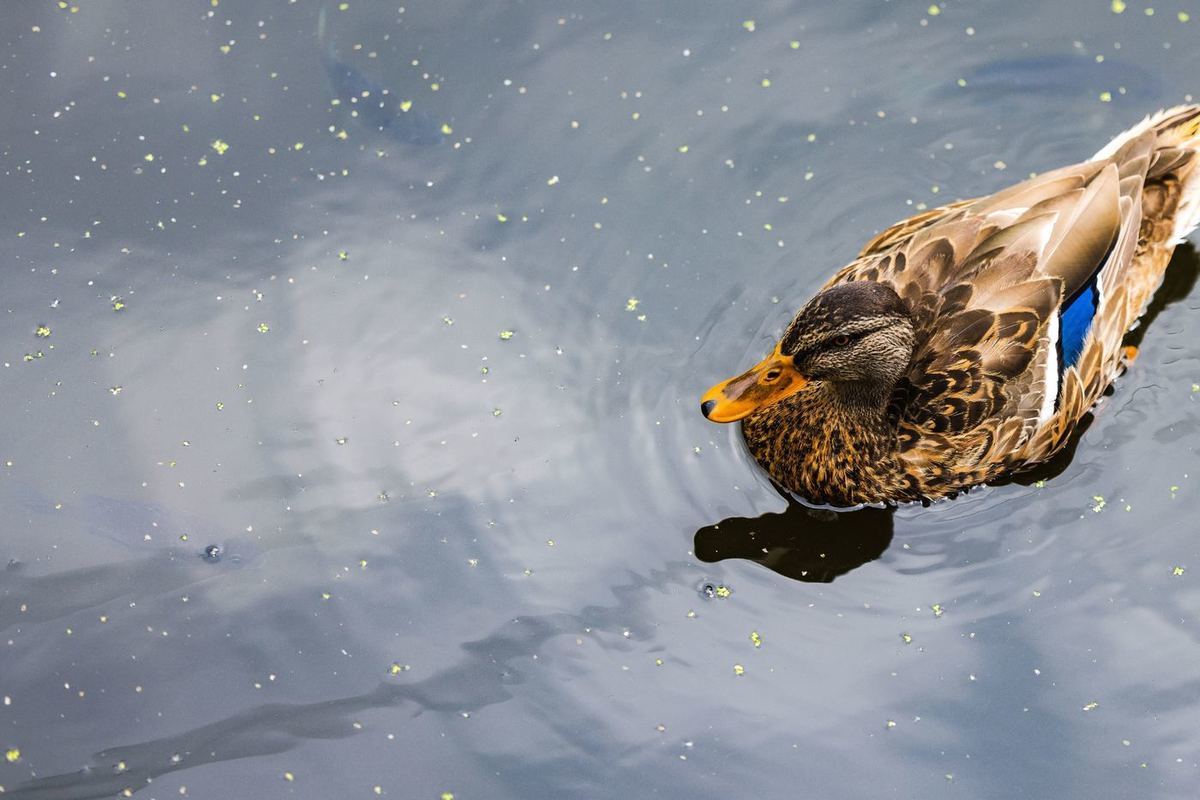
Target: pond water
x,y
351,443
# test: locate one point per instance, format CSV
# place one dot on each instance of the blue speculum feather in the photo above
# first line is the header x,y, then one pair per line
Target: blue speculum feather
x,y
1074,324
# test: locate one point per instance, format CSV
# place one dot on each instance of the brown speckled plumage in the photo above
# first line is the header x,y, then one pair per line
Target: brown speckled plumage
x,y
966,306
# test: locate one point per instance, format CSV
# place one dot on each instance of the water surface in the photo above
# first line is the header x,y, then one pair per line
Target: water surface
x,y
423,366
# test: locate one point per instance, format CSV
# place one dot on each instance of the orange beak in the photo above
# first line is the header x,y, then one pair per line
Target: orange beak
x,y
769,381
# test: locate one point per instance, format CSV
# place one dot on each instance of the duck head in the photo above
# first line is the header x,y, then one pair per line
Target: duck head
x,y
854,337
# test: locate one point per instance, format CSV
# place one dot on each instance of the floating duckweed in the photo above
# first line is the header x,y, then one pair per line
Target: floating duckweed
x,y
289,777
1178,571
1091,706
1184,16
118,304
406,105
937,609
933,11
552,180
220,406
298,146
42,331
343,255
446,129
765,83
906,638
115,390
749,25
756,638
723,591
12,755
683,148
263,327
739,670
341,440
447,795
1098,503
496,412
501,218
1118,6
220,146
1106,97
891,723
505,335
631,304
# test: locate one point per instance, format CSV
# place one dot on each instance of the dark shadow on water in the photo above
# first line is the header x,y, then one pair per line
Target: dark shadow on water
x,y
1178,282
815,545
491,671
802,543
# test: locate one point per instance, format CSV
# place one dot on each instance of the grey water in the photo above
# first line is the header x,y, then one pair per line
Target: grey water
x,y
350,357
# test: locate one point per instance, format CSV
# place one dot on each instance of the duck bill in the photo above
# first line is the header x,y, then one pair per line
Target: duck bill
x,y
767,382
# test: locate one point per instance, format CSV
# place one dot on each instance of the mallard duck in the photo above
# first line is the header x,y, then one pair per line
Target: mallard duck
x,y
967,342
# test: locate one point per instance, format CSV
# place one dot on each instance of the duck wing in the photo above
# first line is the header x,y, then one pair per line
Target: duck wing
x,y
1004,290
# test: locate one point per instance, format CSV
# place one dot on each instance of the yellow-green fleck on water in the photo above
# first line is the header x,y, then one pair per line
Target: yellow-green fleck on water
x,y
351,357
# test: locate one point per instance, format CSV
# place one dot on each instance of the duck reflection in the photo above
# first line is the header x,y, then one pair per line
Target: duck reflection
x,y
818,545
802,543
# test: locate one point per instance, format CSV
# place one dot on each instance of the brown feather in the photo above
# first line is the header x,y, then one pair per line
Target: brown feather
x,y
983,281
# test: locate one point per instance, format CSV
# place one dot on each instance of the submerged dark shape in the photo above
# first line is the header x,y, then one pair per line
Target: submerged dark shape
x,y
377,105
801,543
1062,74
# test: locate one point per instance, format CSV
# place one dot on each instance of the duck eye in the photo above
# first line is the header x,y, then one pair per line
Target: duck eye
x,y
841,341
772,375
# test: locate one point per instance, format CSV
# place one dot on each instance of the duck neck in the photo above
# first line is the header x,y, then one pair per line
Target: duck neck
x,y
863,400
832,443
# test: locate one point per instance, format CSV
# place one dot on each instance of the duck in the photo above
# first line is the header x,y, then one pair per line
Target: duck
x,y
965,344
